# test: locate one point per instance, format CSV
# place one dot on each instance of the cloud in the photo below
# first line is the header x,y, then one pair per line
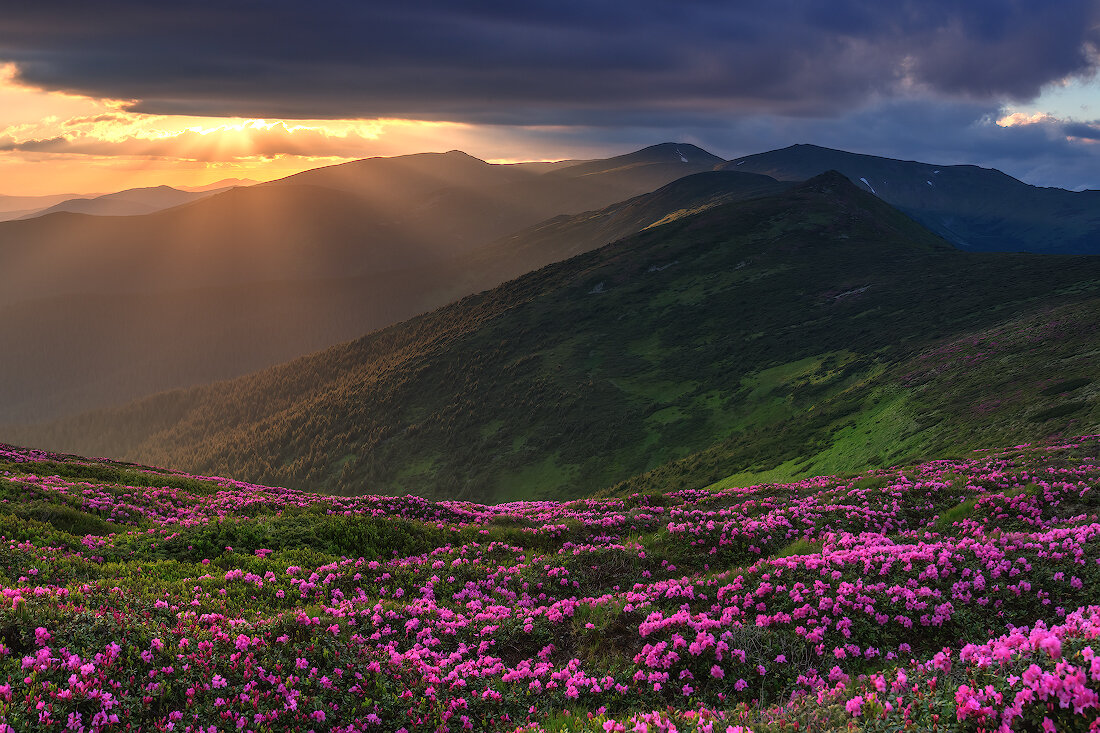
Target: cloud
x,y
933,80
1083,130
213,140
218,144
567,62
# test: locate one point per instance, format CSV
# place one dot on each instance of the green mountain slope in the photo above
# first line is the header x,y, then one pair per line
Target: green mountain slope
x,y
1026,379
975,208
772,325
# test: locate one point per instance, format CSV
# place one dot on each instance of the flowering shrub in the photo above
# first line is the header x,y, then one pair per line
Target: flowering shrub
x,y
951,595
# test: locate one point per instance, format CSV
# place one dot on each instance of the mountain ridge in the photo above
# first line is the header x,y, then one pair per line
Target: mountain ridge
x,y
128,202
979,209
312,266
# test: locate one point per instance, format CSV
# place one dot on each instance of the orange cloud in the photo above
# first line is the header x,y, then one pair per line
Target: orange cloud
x,y
216,141
51,141
1017,119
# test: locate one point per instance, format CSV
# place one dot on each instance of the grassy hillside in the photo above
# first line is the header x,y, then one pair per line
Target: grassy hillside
x,y
951,595
1025,379
783,332
978,209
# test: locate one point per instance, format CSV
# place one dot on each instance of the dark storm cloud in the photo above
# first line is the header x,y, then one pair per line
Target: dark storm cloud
x,y
1085,131
533,62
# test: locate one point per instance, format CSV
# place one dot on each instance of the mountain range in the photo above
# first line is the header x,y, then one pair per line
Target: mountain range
x,y
978,209
109,309
813,328
677,320
130,202
16,207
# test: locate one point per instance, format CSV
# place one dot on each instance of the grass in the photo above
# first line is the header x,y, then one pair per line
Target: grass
x,y
546,478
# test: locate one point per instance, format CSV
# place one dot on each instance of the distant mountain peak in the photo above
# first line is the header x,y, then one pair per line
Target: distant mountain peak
x,y
450,156
663,157
684,152
162,188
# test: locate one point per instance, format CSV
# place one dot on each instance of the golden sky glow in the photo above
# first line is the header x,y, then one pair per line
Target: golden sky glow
x,y
52,142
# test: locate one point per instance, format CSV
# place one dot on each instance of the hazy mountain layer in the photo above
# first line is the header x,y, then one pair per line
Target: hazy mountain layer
x,y
131,202
362,218
80,352
15,207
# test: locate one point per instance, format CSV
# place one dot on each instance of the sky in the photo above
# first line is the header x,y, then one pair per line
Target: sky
x,y
97,97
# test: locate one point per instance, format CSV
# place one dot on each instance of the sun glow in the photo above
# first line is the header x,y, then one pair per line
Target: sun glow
x,y
53,141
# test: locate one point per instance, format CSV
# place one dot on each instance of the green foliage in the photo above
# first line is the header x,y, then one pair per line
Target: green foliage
x,y
118,474
955,514
333,535
66,518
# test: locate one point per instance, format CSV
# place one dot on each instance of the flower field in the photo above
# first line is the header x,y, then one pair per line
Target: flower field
x,y
953,595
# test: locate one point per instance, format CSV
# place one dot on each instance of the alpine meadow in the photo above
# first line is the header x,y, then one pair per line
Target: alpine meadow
x,y
375,367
